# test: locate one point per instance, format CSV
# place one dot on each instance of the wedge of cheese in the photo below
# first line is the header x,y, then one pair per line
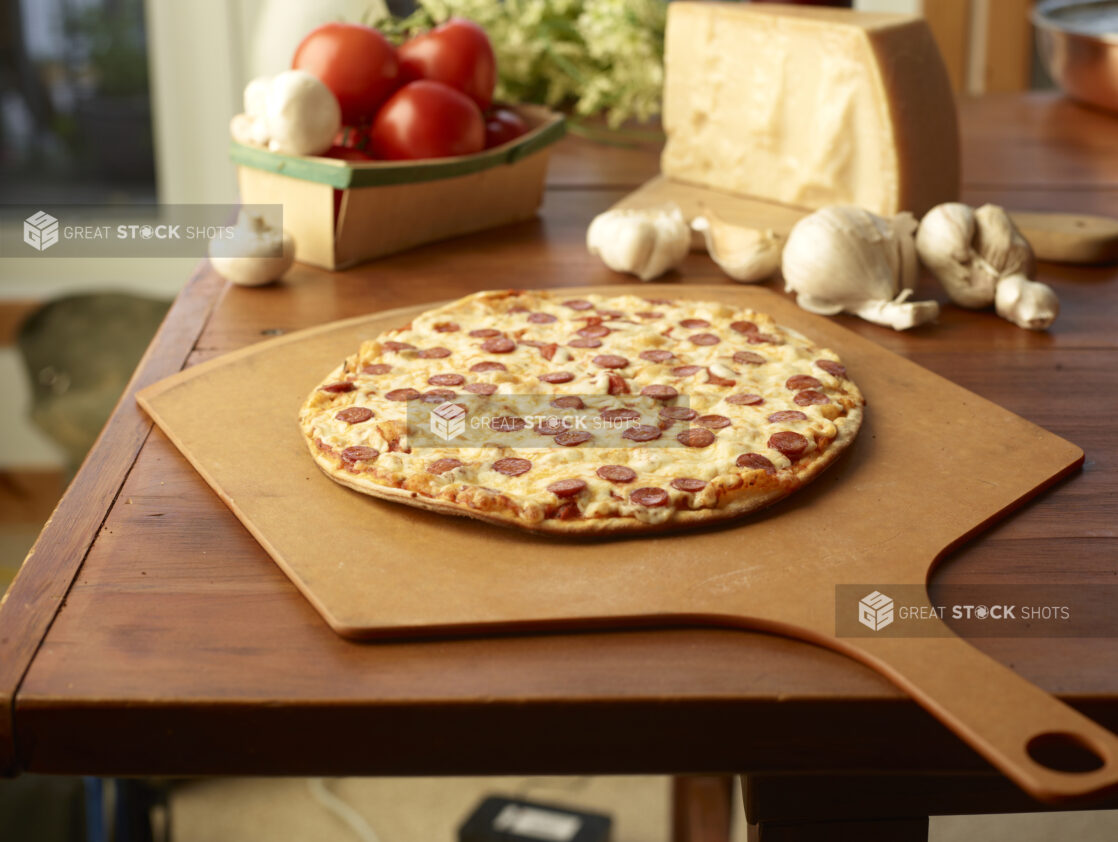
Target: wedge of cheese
x,y
809,107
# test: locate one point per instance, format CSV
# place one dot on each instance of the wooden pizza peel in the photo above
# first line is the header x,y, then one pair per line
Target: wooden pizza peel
x,y
915,483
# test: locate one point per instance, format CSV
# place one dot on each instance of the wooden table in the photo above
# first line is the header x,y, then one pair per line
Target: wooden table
x,y
149,634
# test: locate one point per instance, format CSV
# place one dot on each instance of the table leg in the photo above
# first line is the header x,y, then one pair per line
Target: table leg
x,y
701,808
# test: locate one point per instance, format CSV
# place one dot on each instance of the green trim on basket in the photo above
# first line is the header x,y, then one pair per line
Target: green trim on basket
x,y
343,174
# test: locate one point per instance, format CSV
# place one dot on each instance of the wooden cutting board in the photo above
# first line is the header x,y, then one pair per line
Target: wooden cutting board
x,y
932,465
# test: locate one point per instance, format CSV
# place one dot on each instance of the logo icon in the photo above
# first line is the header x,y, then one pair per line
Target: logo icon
x,y
448,420
40,231
875,611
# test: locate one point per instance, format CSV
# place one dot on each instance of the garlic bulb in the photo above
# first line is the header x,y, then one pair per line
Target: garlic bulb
x,y
645,242
745,254
846,259
970,250
1028,304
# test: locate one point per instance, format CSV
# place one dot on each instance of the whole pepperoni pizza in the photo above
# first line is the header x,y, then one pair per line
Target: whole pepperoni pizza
x,y
593,415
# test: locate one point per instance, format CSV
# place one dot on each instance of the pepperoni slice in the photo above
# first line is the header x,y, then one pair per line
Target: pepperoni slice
x,y
568,402
649,314
714,380
481,388
578,304
678,413
832,368
551,426
659,392
809,397
512,466
713,422
498,345
688,484
649,497
557,377
610,314
801,381
686,370
573,438
507,424
594,331
484,333
695,437
748,358
757,462
743,327
547,350
402,395
354,414
446,379
610,361
377,368
441,466
787,415
446,327
616,473
745,399
359,453
704,339
641,432
657,355
338,388
585,343
487,365
436,353
763,339
612,415
694,324
437,396
567,487
392,345
617,385
790,444
541,318
567,511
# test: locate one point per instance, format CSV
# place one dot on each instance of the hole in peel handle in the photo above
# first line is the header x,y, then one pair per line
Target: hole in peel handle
x,y
1050,750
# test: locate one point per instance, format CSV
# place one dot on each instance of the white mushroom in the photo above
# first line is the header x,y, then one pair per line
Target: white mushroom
x,y
846,259
1028,304
969,250
645,242
302,115
254,254
745,254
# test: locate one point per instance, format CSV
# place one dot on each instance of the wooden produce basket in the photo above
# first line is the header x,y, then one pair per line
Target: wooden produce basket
x,y
342,212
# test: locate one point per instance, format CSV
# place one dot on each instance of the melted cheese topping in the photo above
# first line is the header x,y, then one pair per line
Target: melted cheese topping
x,y
543,325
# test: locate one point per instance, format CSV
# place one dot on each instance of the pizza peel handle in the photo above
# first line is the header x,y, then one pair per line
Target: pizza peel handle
x,y
1047,748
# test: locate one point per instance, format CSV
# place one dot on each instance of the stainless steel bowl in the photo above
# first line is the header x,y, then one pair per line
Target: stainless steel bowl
x,y
1078,42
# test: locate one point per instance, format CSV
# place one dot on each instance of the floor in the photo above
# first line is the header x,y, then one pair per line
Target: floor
x,y
431,809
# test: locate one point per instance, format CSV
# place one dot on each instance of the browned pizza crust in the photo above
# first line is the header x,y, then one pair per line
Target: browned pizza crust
x,y
437,348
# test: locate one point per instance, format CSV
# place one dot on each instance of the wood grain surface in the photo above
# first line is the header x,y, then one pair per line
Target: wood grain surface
x,y
181,648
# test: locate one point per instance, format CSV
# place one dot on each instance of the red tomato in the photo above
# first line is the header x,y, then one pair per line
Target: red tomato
x,y
427,120
346,153
355,62
503,125
353,137
456,53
